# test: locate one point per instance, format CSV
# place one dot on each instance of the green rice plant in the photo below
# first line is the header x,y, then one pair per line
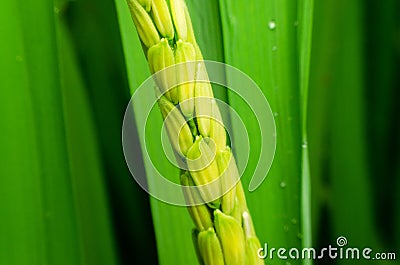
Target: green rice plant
x,y
165,47
291,233
66,68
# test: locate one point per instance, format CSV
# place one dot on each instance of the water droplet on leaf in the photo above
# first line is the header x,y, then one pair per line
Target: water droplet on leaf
x,y
272,25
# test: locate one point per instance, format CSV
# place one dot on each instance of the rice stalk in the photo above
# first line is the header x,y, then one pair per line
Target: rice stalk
x,y
224,232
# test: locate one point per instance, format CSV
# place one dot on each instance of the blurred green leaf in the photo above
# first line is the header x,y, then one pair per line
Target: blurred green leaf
x,y
87,176
337,127
322,59
380,108
348,166
98,45
54,212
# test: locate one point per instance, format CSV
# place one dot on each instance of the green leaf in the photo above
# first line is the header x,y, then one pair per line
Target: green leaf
x,y
98,45
87,178
40,220
382,109
337,126
306,11
263,40
322,60
348,164
54,209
